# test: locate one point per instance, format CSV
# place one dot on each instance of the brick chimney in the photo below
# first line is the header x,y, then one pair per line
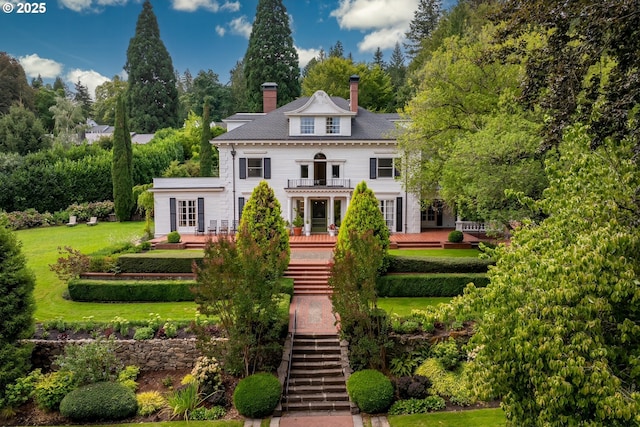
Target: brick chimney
x,y
353,93
269,97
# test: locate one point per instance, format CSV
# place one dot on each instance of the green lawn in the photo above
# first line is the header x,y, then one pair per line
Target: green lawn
x,y
403,306
224,423
40,247
472,418
458,253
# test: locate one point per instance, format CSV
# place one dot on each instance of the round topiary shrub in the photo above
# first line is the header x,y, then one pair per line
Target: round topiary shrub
x,y
103,401
256,396
456,236
370,390
173,237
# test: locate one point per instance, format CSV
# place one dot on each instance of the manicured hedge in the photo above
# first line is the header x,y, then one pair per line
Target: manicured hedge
x,y
427,285
370,390
257,395
130,290
99,402
163,262
403,264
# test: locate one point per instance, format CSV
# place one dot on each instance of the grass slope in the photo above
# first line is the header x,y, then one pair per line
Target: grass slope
x,y
40,247
471,418
403,306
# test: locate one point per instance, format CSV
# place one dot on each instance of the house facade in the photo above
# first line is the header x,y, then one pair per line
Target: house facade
x,y
312,152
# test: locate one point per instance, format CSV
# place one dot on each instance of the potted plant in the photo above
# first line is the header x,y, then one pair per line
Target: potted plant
x,y
298,222
332,229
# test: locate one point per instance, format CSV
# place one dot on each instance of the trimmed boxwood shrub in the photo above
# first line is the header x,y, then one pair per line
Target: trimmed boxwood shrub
x,y
456,236
256,396
163,262
103,401
427,285
370,390
131,290
173,237
403,264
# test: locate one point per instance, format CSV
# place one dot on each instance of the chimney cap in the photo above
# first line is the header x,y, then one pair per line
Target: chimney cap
x,y
269,86
354,78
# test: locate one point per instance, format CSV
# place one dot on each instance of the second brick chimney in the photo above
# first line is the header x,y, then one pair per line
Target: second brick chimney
x,y
269,97
353,93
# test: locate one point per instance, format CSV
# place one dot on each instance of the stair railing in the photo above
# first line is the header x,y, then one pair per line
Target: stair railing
x,y
293,336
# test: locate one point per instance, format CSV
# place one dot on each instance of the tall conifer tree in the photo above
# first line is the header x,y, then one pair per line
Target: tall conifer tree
x,y
271,56
122,165
152,95
206,151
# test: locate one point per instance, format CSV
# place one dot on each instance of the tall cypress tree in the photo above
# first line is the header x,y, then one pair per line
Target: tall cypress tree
x,y
271,56
152,95
122,165
206,152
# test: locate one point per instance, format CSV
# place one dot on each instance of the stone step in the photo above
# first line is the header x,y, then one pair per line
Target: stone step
x,y
320,341
315,357
310,349
315,373
317,382
313,389
318,397
322,364
317,406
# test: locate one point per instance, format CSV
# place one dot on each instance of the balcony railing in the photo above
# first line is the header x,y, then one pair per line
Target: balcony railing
x,y
315,183
471,227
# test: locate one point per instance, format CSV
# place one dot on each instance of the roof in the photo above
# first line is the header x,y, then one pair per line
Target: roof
x,y
274,126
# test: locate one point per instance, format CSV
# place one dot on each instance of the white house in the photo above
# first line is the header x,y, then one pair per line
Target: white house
x,y
312,152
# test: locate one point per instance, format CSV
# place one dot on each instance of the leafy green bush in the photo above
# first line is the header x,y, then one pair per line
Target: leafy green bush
x,y
447,353
173,237
257,395
417,406
185,400
428,285
207,414
130,290
91,362
144,333
52,388
150,262
128,376
207,373
150,402
456,236
454,385
21,390
404,264
102,401
30,218
370,390
412,387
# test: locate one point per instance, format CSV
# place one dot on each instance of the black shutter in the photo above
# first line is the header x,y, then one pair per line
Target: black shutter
x,y
373,168
398,214
243,168
200,215
267,167
172,214
240,206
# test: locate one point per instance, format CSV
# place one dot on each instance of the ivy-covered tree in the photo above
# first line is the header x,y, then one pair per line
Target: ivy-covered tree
x,y
263,225
206,151
17,307
122,165
558,337
271,55
14,87
152,96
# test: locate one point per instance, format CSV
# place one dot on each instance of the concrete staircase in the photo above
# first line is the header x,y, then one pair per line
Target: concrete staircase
x,y
316,380
309,277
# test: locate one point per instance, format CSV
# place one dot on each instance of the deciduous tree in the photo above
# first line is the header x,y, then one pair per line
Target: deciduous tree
x,y
104,108
206,151
21,132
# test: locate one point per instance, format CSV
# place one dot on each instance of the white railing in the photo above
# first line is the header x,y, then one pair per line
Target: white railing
x,y
471,227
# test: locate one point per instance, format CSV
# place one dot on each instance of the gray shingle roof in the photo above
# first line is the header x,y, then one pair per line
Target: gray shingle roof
x,y
275,126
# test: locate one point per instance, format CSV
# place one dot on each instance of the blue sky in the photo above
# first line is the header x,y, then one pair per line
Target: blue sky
x,y
87,40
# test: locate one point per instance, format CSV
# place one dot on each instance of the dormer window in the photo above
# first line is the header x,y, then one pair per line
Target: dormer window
x,y
333,125
307,125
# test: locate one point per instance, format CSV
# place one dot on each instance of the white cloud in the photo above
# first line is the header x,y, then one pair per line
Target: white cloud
x,y
241,26
34,65
387,20
210,5
89,78
306,55
90,5
220,30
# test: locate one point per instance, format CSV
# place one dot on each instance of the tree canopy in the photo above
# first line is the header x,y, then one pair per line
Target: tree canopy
x,y
14,87
122,166
104,107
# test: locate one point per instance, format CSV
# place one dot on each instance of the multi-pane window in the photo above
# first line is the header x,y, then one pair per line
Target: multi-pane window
x,y
335,171
307,125
304,171
333,125
186,213
254,168
385,168
387,209
431,214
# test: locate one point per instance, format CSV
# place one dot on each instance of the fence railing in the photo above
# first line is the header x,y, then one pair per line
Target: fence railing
x,y
311,183
471,226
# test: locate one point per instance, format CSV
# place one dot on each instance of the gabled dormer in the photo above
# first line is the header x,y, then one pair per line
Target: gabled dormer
x,y
320,116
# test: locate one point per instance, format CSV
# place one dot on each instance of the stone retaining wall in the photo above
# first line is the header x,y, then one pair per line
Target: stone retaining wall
x,y
149,355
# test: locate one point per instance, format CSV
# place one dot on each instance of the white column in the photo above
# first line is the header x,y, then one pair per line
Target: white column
x,y
289,210
307,211
332,220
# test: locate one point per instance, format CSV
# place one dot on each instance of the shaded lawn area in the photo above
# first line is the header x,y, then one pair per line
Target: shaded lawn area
x,y
456,253
403,306
471,418
40,247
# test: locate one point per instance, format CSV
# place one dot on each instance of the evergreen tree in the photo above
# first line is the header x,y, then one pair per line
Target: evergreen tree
x,y
83,98
425,21
271,56
17,306
152,95
21,132
337,50
377,58
206,151
238,84
397,70
14,87
60,87
122,165
37,82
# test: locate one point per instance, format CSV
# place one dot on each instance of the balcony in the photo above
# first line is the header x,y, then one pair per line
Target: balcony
x,y
471,227
319,183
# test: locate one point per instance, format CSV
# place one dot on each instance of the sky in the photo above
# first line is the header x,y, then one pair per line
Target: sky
x,y
87,40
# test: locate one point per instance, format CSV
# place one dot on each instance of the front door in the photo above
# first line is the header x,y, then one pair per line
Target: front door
x,y
319,216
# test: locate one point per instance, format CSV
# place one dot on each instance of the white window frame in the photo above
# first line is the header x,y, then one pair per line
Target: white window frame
x,y
333,125
388,171
307,125
187,213
255,170
387,207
